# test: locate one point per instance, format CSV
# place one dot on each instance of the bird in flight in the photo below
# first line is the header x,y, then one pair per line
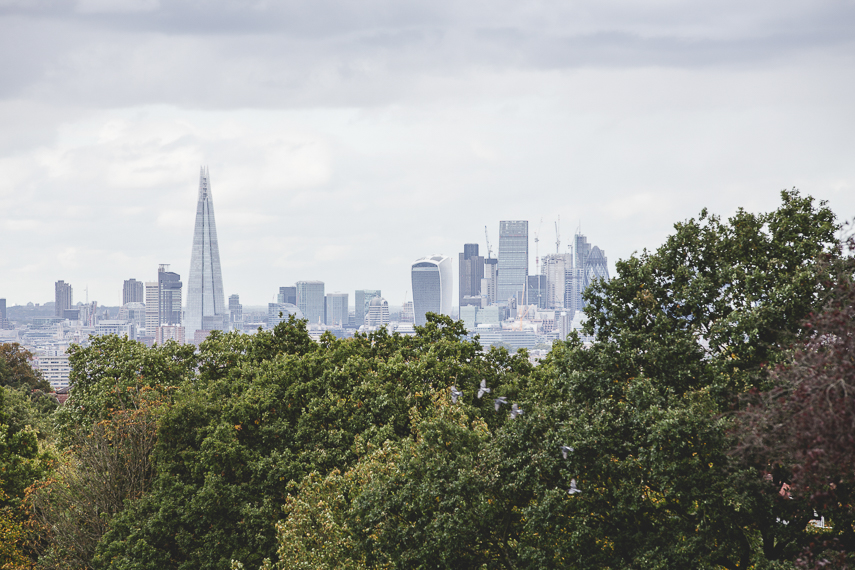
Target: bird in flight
x,y
499,401
573,488
565,449
516,411
483,389
455,393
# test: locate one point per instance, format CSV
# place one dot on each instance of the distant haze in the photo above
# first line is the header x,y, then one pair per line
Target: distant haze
x,y
347,139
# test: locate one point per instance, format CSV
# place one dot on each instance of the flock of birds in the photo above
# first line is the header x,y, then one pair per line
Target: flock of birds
x,y
515,412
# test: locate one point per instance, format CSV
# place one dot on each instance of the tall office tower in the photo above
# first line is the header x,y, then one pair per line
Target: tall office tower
x,y
471,272
407,312
490,282
556,267
235,309
433,285
310,300
513,260
133,292
3,322
362,298
169,296
536,291
335,310
64,298
287,295
205,297
378,312
590,264
152,307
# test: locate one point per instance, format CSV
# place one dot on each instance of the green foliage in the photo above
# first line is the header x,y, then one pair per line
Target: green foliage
x,y
680,331
357,439
269,409
114,373
16,371
100,471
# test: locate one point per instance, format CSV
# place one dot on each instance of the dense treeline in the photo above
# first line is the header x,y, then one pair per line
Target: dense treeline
x,y
708,424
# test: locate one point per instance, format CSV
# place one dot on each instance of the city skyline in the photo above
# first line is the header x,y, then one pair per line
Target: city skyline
x,y
344,147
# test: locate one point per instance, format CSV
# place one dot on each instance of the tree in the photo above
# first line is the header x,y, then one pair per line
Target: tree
x,y
801,433
102,469
16,371
680,332
114,373
267,410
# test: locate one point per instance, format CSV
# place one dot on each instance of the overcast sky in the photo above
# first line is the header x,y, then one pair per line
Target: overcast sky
x,y
347,138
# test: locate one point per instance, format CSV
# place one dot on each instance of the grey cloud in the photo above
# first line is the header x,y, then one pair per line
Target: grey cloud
x,y
330,53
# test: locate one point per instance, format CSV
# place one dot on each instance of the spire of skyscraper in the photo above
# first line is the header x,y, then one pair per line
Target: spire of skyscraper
x,y
206,308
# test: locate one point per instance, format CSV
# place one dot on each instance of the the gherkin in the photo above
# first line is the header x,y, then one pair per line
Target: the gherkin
x,y
206,307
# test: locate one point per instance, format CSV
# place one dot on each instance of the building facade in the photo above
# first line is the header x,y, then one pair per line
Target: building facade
x,y
536,291
433,286
152,307
471,272
378,312
287,295
310,300
63,297
558,269
279,312
54,367
133,291
513,260
205,296
169,296
362,298
590,264
490,282
336,310
235,310
407,315
169,332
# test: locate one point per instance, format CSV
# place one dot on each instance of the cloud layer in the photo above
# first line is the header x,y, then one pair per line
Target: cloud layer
x,y
347,139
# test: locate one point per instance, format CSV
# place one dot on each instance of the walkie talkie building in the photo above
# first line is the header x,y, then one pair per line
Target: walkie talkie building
x,y
206,306
433,284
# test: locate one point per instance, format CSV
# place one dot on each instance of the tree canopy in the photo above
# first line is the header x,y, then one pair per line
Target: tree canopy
x,y
646,448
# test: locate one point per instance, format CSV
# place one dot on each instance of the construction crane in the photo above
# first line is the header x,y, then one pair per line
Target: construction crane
x,y
557,236
536,254
489,249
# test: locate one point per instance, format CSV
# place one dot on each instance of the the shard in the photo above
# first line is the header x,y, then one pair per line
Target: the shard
x,y
206,309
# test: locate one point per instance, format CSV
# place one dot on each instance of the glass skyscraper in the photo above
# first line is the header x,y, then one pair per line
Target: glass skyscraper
x,y
169,297
336,310
310,300
513,260
433,283
471,272
206,305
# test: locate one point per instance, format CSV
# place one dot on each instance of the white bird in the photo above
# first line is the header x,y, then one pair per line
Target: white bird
x,y
455,393
565,449
499,401
573,488
516,411
483,389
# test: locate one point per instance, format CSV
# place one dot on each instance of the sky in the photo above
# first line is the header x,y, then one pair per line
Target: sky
x,y
345,139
